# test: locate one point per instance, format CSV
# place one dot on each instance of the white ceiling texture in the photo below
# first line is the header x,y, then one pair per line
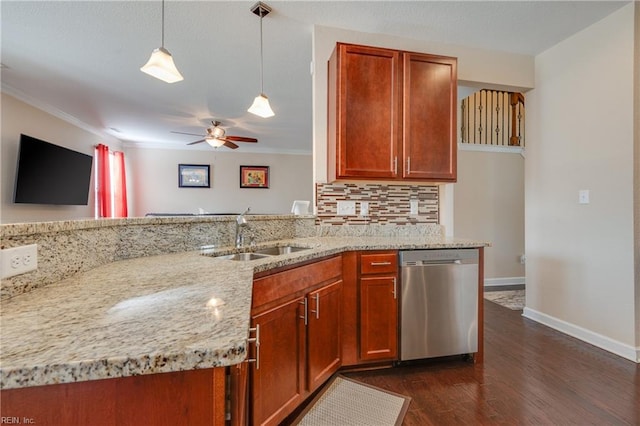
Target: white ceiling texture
x,y
83,58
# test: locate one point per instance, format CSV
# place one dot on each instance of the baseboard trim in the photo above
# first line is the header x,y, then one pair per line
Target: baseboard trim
x,y
496,282
588,336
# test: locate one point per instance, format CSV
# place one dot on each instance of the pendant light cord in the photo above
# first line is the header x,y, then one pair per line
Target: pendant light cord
x,y
162,44
261,57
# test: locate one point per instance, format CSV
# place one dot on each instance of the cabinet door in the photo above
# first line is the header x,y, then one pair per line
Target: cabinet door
x,y
378,318
429,117
277,378
368,112
323,333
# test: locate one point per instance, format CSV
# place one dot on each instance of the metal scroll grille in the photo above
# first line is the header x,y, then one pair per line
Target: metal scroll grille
x,y
492,117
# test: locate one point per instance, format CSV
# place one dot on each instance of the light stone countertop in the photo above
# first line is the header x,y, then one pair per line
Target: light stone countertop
x,y
153,314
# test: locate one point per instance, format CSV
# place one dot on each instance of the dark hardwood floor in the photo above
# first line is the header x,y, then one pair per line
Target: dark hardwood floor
x,y
532,375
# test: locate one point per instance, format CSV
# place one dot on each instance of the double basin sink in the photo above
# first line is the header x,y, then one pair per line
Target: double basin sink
x,y
261,253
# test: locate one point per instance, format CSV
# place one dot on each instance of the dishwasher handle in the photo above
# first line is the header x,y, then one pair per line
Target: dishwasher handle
x,y
435,262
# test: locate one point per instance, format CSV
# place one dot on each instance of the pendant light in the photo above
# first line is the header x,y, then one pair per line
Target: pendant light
x,y
160,65
260,106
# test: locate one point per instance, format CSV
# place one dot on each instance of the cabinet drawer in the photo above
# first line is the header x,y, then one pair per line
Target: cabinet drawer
x,y
379,263
284,284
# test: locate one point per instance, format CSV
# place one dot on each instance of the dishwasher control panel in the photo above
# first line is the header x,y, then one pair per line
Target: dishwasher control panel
x,y
420,257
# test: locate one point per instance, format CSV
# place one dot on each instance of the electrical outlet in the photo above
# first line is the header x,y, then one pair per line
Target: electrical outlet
x,y
346,208
18,260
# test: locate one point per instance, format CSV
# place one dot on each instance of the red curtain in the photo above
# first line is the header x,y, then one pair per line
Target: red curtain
x,y
119,186
111,186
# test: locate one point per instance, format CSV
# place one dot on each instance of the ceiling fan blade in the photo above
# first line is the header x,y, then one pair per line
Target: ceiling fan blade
x,y
193,143
240,139
191,134
230,144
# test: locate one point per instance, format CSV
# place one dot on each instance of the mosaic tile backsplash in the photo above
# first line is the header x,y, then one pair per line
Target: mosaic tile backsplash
x,y
388,204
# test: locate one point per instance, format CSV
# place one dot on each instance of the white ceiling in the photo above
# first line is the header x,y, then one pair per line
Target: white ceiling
x,y
82,58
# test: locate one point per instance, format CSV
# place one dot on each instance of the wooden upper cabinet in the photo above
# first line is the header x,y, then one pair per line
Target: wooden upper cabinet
x,y
429,119
391,115
367,105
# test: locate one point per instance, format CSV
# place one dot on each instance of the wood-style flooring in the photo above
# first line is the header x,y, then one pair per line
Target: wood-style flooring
x,y
532,375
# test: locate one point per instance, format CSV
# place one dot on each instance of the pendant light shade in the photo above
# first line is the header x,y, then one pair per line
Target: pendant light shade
x,y
160,65
260,106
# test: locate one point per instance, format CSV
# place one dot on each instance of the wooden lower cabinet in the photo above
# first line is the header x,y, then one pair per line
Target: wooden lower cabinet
x,y
195,397
370,307
323,333
277,375
378,318
297,326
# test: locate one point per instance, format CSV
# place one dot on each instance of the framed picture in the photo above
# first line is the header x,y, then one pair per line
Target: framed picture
x,y
193,176
254,176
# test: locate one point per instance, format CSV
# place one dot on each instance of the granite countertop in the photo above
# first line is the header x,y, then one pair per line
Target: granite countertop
x,y
151,315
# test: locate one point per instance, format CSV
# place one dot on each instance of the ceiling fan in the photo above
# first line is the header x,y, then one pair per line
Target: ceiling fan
x,y
216,137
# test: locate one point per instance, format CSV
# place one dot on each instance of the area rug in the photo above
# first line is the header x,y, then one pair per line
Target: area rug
x,y
346,402
512,299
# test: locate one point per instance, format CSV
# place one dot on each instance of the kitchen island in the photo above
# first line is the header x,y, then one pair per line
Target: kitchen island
x,y
159,314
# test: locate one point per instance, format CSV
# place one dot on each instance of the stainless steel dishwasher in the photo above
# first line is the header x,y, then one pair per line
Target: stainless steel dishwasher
x,y
439,303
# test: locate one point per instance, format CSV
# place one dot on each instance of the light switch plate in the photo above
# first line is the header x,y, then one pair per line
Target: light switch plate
x,y
583,196
364,208
346,208
18,260
413,206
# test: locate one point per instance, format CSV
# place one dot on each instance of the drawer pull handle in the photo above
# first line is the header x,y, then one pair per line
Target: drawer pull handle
x,y
255,340
380,263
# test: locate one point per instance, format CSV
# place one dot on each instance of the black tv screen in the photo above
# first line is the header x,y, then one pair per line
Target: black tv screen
x,y
51,174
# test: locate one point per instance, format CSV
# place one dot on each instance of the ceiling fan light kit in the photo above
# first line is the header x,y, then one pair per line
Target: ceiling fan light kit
x,y
216,137
214,142
160,65
260,106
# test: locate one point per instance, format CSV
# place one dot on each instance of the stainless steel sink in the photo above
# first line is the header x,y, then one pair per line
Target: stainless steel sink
x,y
257,253
243,256
276,250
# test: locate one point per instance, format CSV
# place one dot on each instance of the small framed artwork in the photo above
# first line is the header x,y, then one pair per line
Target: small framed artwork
x,y
254,176
194,176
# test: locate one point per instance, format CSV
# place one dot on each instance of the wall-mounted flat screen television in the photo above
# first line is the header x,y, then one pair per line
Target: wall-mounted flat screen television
x,y
51,174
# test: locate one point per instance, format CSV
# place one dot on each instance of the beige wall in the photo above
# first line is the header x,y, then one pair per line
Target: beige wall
x,y
580,257
154,182
151,173
489,206
19,117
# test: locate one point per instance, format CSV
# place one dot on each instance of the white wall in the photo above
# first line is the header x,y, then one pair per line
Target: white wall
x,y
580,257
19,117
153,182
489,206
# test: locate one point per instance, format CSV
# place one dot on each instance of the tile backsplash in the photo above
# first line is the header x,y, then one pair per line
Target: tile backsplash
x,y
388,203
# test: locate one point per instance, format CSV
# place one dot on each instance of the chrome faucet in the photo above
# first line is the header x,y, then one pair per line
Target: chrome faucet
x,y
241,223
